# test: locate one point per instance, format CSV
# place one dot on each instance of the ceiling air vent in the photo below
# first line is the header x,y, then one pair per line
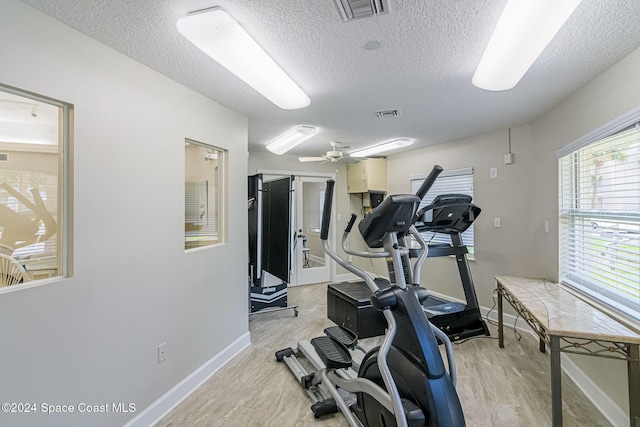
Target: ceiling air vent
x,y
356,9
384,114
4,157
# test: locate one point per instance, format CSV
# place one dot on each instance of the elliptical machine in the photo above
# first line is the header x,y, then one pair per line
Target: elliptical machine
x,y
403,382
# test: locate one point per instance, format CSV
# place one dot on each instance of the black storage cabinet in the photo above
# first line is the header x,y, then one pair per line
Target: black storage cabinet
x,y
349,305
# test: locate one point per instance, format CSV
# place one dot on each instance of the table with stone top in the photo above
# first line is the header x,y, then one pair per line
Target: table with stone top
x,y
568,324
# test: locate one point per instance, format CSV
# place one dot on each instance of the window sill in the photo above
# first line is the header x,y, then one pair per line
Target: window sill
x,y
31,284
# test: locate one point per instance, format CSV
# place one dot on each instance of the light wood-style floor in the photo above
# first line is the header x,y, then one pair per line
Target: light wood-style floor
x,y
497,387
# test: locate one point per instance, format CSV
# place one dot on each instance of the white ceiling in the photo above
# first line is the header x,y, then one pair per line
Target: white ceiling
x,y
430,49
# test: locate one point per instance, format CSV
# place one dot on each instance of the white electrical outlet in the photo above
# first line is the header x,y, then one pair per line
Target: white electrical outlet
x,y
162,352
508,158
497,222
493,173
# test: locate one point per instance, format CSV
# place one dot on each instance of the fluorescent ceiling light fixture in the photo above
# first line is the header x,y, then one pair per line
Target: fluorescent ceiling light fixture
x,y
290,139
387,146
524,30
216,33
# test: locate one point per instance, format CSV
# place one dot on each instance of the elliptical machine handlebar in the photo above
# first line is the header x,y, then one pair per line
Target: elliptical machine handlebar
x,y
429,181
324,229
326,211
324,236
426,186
352,220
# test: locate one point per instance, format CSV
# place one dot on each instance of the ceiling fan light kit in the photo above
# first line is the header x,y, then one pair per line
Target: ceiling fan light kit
x,y
290,139
383,148
218,35
524,30
335,154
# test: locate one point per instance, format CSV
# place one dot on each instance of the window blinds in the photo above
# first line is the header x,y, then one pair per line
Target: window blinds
x,y
599,241
454,181
201,208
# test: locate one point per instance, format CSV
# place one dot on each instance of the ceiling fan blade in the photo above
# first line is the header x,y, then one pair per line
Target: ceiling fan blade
x,y
311,159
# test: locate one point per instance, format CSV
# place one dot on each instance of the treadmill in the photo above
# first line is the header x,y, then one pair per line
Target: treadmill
x,y
348,303
452,214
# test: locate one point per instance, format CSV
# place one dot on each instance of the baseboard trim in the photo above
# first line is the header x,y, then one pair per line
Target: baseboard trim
x,y
607,407
167,402
611,411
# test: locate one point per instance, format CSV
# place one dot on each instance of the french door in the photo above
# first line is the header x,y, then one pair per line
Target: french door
x,y
310,263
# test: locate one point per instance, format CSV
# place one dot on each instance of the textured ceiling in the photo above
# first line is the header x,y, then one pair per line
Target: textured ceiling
x,y
430,49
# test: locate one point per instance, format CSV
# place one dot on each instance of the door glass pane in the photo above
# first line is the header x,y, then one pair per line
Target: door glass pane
x,y
313,254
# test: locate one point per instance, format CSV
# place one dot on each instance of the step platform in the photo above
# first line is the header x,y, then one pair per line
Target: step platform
x,y
347,337
332,353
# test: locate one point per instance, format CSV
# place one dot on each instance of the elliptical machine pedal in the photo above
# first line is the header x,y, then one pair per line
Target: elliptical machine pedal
x,y
343,335
333,353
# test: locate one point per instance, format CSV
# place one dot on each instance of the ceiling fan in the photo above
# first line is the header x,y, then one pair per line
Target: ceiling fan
x,y
335,154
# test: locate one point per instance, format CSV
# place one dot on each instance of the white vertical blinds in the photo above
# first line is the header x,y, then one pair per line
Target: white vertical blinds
x,y
599,241
454,181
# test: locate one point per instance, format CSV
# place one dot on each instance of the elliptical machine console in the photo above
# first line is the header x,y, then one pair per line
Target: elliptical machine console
x,y
404,381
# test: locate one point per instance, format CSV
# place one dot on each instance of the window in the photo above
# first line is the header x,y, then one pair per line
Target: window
x,y
455,181
34,134
600,217
204,194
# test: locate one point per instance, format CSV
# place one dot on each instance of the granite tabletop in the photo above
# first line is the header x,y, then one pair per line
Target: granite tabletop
x,y
564,314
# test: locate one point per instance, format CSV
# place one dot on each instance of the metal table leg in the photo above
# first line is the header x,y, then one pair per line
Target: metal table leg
x,y
556,382
633,368
500,321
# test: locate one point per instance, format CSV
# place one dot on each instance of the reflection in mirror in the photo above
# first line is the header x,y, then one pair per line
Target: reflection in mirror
x,y
204,191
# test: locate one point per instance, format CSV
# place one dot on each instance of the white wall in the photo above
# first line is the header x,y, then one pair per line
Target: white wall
x,y
93,338
498,251
607,97
524,195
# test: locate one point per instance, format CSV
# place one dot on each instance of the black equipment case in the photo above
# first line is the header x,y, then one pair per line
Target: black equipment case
x,y
349,305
